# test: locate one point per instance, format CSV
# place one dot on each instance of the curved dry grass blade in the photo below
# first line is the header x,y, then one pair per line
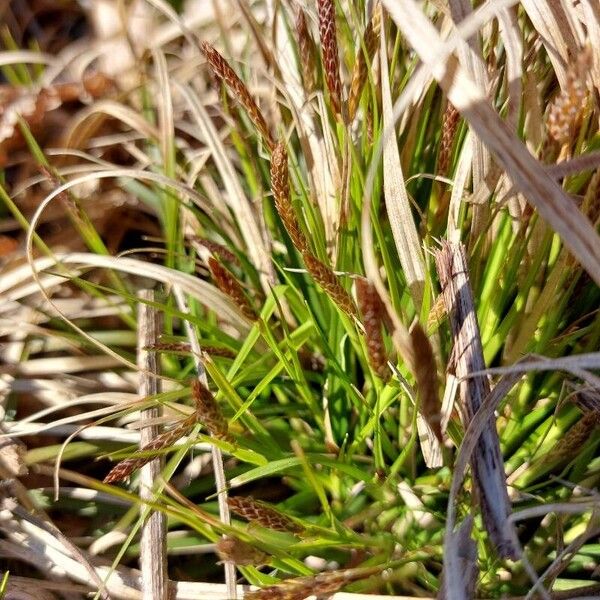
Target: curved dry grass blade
x,y
397,204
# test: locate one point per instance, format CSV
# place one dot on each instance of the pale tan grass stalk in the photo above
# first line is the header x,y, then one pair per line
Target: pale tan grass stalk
x,y
329,50
362,63
262,514
281,193
221,69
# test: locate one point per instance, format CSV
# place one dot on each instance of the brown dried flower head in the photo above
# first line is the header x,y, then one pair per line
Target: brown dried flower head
x,y
306,51
234,550
372,310
126,467
570,444
209,412
219,250
329,49
262,514
361,66
281,194
425,371
565,112
449,128
231,287
221,69
328,280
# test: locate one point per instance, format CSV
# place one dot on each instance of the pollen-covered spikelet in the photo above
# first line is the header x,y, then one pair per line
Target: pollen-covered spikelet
x,y
565,111
221,69
328,280
425,371
208,412
306,52
281,193
262,514
361,66
241,553
231,287
329,49
372,311
449,128
126,467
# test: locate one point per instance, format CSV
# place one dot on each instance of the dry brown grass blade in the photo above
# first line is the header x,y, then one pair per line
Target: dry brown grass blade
x,y
262,514
153,543
221,69
329,49
487,463
553,204
361,66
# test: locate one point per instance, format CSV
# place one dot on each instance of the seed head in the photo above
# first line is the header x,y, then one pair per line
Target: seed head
x,y
329,48
222,71
231,287
328,280
208,412
449,128
262,514
372,310
281,194
306,51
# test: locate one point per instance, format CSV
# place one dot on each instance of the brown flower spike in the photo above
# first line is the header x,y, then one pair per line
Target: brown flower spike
x,y
231,287
449,127
209,413
262,514
372,311
221,69
306,51
361,67
329,48
281,194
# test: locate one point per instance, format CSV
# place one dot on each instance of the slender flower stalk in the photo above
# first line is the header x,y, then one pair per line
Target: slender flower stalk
x,y
329,49
221,69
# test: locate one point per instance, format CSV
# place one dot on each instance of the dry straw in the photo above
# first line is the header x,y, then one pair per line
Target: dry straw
x,y
221,69
281,193
361,66
372,310
230,286
329,49
262,514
